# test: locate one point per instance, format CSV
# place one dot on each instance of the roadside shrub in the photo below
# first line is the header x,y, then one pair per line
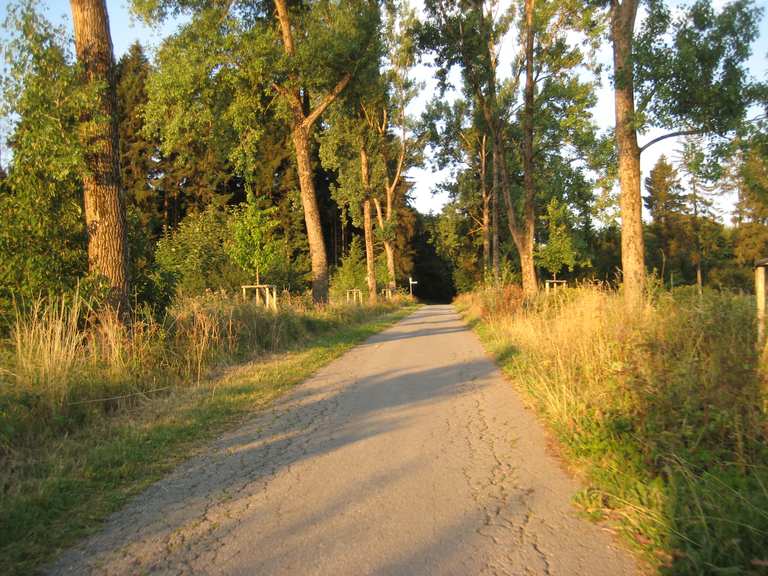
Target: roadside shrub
x,y
351,273
194,255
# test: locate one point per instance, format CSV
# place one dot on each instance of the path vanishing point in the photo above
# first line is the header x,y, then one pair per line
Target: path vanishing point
x,y
408,455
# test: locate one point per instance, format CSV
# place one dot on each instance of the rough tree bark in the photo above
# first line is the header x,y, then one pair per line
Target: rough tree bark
x,y
525,241
389,250
623,16
370,261
486,218
301,130
103,197
317,254
521,235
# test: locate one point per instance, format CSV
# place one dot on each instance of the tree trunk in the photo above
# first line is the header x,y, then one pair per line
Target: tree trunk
x,y
527,264
370,262
525,245
697,233
315,238
301,129
496,184
489,108
389,249
632,248
699,279
522,237
103,198
486,218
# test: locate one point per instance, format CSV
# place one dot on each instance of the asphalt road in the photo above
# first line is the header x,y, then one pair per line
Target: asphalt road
x,y
409,455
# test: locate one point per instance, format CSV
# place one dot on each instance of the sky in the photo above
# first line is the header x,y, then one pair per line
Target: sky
x,y
126,30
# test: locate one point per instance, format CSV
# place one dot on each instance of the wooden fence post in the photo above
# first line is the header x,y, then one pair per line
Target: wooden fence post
x,y
760,266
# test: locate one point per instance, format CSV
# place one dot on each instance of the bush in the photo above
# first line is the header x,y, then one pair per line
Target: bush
x,y
351,274
195,255
664,408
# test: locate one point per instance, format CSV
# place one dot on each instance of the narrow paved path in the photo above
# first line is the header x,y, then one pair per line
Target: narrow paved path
x,y
408,455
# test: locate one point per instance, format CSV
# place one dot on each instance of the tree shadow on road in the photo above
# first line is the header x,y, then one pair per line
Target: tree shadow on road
x,y
206,497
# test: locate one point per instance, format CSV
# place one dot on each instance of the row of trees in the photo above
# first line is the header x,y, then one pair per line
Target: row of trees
x,y
529,141
263,133
251,114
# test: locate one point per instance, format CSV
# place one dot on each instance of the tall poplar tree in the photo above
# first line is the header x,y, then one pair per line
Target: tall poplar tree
x,y
468,35
683,74
103,197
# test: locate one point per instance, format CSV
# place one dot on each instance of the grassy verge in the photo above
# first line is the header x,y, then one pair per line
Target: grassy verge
x,y
61,478
663,410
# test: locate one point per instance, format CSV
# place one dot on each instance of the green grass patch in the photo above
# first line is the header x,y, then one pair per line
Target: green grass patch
x,y
61,488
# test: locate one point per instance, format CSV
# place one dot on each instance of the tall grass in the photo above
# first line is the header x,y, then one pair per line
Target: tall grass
x,y
64,365
47,342
92,411
663,407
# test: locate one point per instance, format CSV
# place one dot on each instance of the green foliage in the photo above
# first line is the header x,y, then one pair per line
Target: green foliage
x,y
253,245
453,242
690,68
224,100
196,254
140,159
340,151
561,248
41,197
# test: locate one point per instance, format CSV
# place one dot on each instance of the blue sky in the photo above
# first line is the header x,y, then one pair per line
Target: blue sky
x,y
126,29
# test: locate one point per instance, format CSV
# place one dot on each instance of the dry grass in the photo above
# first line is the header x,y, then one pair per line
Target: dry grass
x,y
92,411
62,358
663,407
48,343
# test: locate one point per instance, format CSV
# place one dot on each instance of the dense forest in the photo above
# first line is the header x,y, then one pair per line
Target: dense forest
x,y
278,143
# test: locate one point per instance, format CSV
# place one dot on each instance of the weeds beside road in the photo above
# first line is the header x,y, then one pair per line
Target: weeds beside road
x,y
663,409
91,413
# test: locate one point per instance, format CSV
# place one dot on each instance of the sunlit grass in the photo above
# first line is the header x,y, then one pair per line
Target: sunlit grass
x,y
663,408
91,413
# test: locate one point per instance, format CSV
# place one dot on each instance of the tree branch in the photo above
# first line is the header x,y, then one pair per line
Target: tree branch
x,y
670,135
285,26
379,216
290,95
327,101
398,171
